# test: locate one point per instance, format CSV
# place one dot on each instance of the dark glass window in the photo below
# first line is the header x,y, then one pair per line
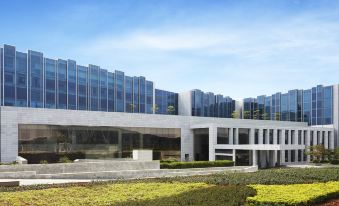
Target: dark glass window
x,y
21,79
136,94
72,84
103,90
130,106
9,75
82,87
244,136
62,84
223,136
50,83
110,94
149,97
35,66
142,94
166,102
94,87
119,87
50,142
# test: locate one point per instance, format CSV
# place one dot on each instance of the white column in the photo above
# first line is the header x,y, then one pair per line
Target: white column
x,y
321,137
230,136
308,143
236,136
282,156
233,155
296,155
187,144
282,141
296,137
289,137
331,139
326,140
212,140
254,158
275,136
315,135
251,140
275,157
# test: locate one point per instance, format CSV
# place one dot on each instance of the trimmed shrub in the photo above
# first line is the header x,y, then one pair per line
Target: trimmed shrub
x,y
133,194
65,160
196,164
297,194
335,162
43,162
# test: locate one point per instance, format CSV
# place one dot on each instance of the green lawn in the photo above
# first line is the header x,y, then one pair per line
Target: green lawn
x,y
222,189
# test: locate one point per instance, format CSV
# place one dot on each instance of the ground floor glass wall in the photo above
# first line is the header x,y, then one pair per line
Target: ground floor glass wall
x,y
50,142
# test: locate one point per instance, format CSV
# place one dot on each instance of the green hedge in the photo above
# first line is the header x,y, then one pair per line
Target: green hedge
x,y
294,195
335,162
196,164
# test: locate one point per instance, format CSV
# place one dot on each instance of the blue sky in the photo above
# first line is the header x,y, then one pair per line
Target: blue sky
x,y
237,48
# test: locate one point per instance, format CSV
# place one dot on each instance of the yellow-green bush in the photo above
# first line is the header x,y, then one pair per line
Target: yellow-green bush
x,y
131,194
296,194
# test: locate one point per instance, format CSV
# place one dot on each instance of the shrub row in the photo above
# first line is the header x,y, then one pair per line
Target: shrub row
x,y
269,176
133,194
196,164
335,162
296,194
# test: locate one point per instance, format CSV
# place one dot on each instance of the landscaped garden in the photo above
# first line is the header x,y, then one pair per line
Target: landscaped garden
x,y
265,187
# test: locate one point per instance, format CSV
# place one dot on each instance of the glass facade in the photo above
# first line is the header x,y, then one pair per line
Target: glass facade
x,y
110,94
166,102
72,84
62,84
120,88
129,94
210,105
50,83
314,106
149,97
103,90
9,75
35,80
50,142
94,87
21,79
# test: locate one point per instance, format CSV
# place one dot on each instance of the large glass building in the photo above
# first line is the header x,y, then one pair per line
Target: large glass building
x,y
314,106
101,113
32,80
210,105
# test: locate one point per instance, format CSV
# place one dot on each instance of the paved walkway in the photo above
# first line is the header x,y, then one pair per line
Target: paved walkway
x,y
45,181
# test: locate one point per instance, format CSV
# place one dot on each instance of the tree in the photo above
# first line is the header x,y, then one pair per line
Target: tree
x,y
132,107
318,152
155,108
265,116
277,116
256,114
235,115
247,114
170,109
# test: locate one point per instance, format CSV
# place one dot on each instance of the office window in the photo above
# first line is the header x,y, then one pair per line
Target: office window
x,y
286,136
223,136
9,75
293,139
35,66
103,90
111,94
21,79
264,136
149,97
82,87
244,136
72,84
62,84
119,86
129,94
256,136
142,96
50,83
271,136
94,87
279,136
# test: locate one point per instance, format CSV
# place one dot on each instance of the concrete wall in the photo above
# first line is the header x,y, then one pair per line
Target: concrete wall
x,y
11,117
